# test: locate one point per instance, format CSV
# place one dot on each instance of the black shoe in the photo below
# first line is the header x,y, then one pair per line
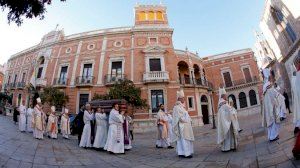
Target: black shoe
x,y
181,156
112,153
170,147
189,157
296,130
240,130
158,146
282,118
274,139
226,151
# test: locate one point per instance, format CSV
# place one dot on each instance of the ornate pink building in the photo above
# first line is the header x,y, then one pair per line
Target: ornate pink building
x,y
90,62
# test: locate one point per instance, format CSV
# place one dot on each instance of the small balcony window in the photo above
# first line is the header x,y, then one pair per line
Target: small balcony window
x,y
155,64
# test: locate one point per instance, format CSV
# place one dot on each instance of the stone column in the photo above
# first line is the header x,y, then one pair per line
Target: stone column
x,y
73,77
192,75
101,61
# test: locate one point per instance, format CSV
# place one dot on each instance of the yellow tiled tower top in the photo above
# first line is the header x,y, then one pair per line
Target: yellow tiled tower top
x,y
150,15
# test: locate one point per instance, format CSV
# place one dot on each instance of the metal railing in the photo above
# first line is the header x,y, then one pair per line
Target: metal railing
x,y
240,82
21,85
156,76
195,82
60,82
84,80
112,78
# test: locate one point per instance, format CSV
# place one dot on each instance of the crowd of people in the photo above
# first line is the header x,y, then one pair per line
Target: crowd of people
x,y
113,132
35,120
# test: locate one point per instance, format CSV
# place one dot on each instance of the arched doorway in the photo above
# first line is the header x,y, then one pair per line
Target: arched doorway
x,y
183,72
204,107
234,100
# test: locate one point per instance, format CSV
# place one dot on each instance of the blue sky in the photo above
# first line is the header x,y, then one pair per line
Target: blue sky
x,y
206,26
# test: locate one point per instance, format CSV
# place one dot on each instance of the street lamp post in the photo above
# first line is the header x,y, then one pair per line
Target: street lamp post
x,y
212,108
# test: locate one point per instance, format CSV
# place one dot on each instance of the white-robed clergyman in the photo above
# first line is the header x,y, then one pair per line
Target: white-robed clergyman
x,y
52,124
170,131
101,129
295,83
281,104
22,118
227,125
126,125
65,124
162,129
234,112
86,139
115,138
38,121
270,108
182,128
29,112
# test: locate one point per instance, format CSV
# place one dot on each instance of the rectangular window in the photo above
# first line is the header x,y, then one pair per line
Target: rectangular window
x,y
227,79
83,99
23,77
87,70
63,75
15,80
157,98
191,105
291,32
153,40
247,75
40,71
116,68
155,64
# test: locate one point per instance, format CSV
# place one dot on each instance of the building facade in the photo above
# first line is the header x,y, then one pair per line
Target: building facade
x,y
2,72
87,63
238,73
280,26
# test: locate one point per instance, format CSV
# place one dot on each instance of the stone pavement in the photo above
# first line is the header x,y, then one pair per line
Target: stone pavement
x,y
22,150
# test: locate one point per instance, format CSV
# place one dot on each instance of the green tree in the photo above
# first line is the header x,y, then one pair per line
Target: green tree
x,y
126,90
54,97
27,8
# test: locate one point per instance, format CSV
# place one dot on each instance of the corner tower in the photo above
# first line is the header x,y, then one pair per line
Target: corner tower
x,y
151,15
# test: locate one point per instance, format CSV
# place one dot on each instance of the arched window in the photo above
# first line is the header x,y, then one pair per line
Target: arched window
x,y
252,96
243,100
151,15
234,100
142,16
159,15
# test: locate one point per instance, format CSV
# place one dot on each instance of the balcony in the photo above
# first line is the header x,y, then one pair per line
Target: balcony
x,y
21,85
241,83
60,82
85,81
12,86
41,82
156,76
190,82
110,79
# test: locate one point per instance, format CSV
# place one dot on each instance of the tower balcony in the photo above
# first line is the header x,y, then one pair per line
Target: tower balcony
x,y
156,77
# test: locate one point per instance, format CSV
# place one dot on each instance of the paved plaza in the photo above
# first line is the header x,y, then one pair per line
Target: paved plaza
x,y
21,150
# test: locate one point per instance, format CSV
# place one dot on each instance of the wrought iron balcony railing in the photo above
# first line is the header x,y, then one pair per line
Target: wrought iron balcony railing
x,y
112,78
241,82
85,80
21,85
60,82
195,82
